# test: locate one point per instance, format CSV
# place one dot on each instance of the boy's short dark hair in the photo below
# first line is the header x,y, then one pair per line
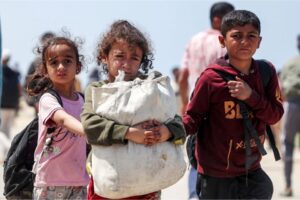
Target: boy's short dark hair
x,y
239,18
220,9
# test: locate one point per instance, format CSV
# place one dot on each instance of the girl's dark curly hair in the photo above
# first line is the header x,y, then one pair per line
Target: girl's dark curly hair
x,y
122,29
40,81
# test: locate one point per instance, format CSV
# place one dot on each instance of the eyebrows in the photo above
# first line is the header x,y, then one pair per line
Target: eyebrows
x,y
120,52
68,56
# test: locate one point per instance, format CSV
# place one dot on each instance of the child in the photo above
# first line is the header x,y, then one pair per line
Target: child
x,y
220,147
125,48
60,169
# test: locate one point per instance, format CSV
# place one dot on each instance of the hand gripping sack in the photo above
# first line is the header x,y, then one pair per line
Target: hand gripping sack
x,y
121,171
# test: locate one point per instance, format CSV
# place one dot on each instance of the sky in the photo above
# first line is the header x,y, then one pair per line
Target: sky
x,y
169,24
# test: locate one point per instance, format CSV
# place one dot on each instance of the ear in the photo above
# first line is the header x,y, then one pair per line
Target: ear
x,y
104,60
78,68
222,41
260,38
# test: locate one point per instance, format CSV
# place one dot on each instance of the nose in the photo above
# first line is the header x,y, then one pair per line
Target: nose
x,y
60,66
125,65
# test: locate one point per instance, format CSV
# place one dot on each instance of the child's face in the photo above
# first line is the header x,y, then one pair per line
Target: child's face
x,y
123,57
61,64
241,42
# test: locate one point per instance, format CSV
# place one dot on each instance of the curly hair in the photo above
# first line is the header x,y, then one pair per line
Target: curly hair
x,y
40,81
122,29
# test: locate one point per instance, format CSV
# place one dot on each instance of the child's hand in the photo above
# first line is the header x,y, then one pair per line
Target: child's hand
x,y
161,132
239,89
154,135
138,135
142,134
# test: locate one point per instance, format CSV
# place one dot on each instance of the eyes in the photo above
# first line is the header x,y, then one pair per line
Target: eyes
x,y
240,36
122,56
66,62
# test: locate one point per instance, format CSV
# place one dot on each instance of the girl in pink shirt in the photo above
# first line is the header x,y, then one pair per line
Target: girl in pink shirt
x,y
60,168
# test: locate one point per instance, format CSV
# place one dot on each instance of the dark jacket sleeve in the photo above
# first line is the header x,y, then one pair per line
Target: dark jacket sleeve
x,y
198,106
271,102
175,126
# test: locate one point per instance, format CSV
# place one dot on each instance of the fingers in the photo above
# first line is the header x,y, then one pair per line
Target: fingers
x,y
239,89
152,137
152,133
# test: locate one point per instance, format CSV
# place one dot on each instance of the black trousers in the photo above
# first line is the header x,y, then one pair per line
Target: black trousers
x,y
255,185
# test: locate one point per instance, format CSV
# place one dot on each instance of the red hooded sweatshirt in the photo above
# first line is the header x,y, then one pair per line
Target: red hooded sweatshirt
x,y
220,147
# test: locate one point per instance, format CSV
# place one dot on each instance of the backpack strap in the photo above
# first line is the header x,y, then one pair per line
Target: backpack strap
x,y
55,94
81,94
265,73
249,130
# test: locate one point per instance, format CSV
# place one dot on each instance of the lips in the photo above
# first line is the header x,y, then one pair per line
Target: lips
x,y
61,75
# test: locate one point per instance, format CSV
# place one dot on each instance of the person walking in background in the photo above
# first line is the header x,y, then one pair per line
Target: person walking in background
x,y
228,165
60,168
11,94
289,76
175,86
33,101
203,49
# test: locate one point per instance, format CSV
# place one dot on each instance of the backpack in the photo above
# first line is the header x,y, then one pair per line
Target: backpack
x,y
17,175
265,73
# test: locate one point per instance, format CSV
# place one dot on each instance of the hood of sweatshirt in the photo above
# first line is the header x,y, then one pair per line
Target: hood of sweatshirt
x,y
222,64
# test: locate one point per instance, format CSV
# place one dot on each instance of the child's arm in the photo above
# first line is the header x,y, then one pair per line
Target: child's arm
x,y
51,112
171,130
262,105
62,118
102,131
140,135
199,105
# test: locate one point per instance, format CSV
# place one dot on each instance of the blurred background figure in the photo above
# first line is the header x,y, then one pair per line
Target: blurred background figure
x,y
30,100
4,142
290,80
11,93
95,75
277,127
175,86
203,49
37,61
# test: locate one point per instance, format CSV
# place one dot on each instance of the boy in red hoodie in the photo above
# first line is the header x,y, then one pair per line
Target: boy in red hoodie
x,y
214,113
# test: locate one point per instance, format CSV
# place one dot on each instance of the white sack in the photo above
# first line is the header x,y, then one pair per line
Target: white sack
x,y
121,171
132,102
